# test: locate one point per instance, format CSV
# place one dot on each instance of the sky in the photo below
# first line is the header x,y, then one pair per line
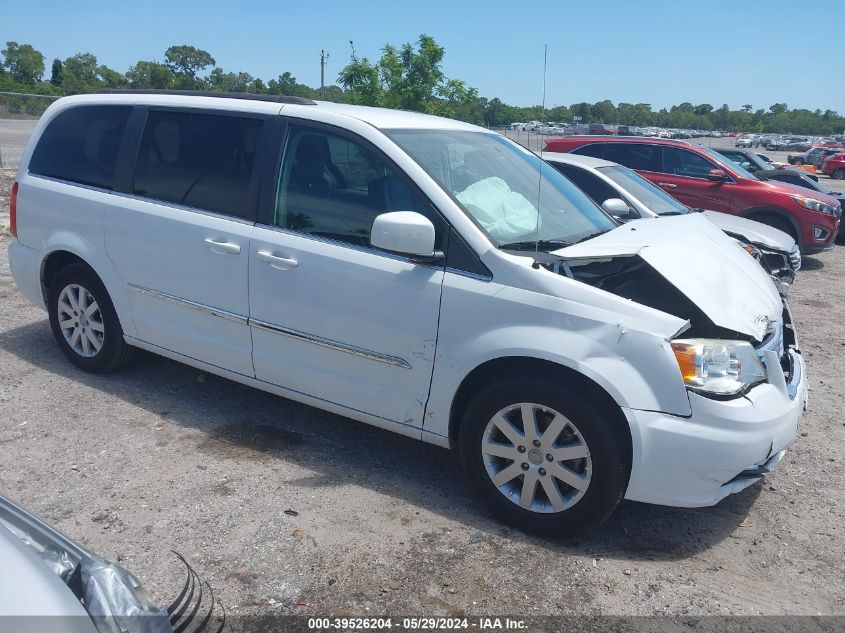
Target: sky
x,y
661,52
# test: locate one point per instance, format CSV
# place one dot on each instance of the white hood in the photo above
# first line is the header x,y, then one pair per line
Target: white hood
x,y
752,231
696,257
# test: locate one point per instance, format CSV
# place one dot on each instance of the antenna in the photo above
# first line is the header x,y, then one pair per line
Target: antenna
x,y
324,57
540,179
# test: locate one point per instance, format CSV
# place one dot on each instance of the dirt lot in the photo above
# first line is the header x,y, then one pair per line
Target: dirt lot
x,y
160,457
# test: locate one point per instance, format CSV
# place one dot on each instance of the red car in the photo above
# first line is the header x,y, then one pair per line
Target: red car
x,y
702,178
834,166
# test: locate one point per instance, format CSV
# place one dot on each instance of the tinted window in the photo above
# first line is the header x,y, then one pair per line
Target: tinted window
x,y
682,162
592,185
81,145
633,155
596,150
199,160
334,187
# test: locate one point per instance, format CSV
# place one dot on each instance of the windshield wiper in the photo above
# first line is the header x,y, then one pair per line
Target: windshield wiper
x,y
531,245
592,235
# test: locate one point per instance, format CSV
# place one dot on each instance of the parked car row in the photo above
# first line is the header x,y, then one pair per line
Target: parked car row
x,y
436,279
701,177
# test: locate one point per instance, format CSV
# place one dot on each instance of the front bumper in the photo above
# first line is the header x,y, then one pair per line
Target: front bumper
x,y
722,448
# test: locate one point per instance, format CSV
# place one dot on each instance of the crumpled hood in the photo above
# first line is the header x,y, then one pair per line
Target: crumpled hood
x,y
752,231
706,265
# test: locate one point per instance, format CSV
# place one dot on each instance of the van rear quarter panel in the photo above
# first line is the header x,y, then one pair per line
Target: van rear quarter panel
x,y
59,216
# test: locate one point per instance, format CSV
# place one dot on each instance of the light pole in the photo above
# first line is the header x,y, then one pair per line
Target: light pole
x,y
324,56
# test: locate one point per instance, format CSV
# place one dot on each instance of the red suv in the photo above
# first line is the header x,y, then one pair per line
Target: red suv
x,y
834,166
701,178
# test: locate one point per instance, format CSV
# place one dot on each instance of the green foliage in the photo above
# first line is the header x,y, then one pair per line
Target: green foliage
x,y
23,63
149,76
56,72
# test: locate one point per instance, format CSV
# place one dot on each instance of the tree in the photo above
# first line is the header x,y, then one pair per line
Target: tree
x,y
149,75
287,85
23,62
185,62
408,78
703,109
56,72
80,73
778,108
747,108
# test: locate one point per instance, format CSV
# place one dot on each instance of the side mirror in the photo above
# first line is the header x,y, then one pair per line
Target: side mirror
x,y
405,233
618,208
717,175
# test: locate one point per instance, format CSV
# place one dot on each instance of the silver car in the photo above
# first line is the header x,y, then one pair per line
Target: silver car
x,y
626,195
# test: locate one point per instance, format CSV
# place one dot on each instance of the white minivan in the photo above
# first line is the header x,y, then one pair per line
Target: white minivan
x,y
419,274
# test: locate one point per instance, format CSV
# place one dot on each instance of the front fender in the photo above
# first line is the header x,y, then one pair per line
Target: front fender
x,y
636,367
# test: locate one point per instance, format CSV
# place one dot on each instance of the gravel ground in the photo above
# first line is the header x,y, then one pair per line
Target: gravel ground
x,y
285,508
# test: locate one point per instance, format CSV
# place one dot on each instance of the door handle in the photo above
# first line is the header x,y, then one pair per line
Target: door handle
x,y
222,247
667,185
279,263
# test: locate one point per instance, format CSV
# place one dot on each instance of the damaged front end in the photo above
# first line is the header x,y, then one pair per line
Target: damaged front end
x,y
113,599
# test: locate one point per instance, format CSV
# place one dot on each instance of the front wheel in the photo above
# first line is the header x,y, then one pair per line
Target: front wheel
x,y
543,457
84,322
839,174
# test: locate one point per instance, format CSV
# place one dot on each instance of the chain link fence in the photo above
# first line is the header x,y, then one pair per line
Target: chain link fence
x,y
18,115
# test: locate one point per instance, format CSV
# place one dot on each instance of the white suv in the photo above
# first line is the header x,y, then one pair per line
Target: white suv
x,y
419,274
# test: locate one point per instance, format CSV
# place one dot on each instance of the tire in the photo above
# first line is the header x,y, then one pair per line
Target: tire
x,y
798,161
838,174
84,322
601,475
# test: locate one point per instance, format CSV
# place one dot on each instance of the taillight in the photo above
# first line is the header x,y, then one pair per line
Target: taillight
x,y
13,210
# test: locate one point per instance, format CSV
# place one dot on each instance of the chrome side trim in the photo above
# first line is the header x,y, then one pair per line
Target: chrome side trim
x,y
329,343
276,329
200,307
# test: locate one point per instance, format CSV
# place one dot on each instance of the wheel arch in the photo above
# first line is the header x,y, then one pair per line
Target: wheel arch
x,y
526,365
64,255
757,212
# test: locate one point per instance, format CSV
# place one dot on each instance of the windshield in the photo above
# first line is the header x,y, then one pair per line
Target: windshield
x,y
512,194
652,196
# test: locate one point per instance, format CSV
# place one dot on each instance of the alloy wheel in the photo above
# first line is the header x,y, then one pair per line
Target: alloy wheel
x,y
536,457
80,320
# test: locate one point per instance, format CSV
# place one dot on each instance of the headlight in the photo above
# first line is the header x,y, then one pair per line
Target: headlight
x,y
815,205
722,368
752,250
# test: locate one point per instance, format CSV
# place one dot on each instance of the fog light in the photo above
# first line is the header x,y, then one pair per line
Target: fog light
x,y
820,233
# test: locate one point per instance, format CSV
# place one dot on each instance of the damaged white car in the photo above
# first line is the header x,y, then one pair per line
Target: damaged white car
x,y
419,274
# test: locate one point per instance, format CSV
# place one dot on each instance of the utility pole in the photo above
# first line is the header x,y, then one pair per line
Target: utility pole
x,y
324,56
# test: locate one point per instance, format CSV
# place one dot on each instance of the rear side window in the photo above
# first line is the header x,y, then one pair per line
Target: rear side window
x,y
199,160
596,150
81,144
590,184
633,155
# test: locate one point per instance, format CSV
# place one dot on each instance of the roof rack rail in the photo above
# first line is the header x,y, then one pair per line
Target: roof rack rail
x,y
205,93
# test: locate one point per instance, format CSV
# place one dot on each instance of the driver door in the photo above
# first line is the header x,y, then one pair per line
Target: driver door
x,y
332,317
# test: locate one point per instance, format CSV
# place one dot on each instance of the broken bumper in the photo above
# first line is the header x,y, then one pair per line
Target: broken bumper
x,y
722,448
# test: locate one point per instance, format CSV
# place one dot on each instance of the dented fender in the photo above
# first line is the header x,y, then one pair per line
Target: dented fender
x,y
622,346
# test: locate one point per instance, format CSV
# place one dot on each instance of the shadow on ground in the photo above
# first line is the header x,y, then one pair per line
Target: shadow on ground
x,y
242,423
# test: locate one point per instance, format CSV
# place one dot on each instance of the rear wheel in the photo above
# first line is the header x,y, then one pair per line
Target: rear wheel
x,y
543,457
839,174
798,161
84,322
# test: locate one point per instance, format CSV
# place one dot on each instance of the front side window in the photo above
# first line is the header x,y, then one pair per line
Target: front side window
x,y
81,144
682,162
592,185
199,160
650,195
512,194
333,187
